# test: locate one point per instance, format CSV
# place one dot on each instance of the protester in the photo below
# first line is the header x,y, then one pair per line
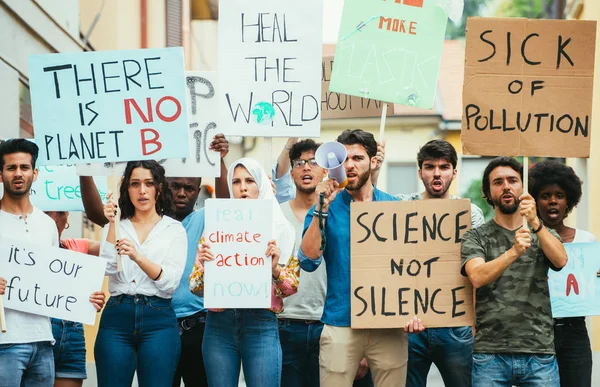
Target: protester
x,y
138,330
508,266
69,347
249,336
557,190
450,349
341,348
26,348
189,309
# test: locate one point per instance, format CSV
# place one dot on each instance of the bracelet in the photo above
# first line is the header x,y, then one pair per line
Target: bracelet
x,y
539,228
287,147
323,214
159,274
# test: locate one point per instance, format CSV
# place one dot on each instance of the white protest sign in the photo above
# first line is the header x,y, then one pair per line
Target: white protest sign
x,y
238,232
202,108
106,106
50,281
270,67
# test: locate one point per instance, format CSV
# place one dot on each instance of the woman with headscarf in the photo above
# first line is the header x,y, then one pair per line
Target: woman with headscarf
x,y
249,336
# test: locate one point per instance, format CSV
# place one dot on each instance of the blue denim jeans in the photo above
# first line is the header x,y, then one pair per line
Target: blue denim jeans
x,y
249,336
300,349
26,365
137,333
521,370
69,349
573,352
450,349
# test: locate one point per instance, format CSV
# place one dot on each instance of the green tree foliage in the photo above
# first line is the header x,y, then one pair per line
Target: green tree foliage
x,y
474,193
472,8
532,9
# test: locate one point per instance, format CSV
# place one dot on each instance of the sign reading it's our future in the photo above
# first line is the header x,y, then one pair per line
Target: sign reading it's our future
x,y
109,106
405,261
528,87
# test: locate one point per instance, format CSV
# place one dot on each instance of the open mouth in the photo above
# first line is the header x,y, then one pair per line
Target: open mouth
x,y
307,179
553,213
18,184
143,201
437,184
244,196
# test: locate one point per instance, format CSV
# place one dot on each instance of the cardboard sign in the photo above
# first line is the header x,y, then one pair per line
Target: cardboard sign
x,y
528,87
50,281
390,51
238,232
575,289
202,108
105,106
269,55
336,105
406,262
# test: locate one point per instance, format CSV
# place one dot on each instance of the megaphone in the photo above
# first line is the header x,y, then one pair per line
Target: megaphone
x,y
331,156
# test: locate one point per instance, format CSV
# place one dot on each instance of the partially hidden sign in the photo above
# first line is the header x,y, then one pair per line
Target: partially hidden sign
x,y
50,281
390,51
269,55
575,289
528,87
405,261
106,106
238,232
336,105
202,109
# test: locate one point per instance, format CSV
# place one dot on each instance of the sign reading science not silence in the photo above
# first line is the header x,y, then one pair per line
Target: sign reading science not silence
x,y
406,260
528,87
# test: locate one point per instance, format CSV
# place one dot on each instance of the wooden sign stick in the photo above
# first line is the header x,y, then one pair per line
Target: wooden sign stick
x,y
382,124
113,183
526,185
2,316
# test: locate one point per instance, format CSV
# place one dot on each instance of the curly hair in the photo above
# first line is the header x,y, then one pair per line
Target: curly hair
x,y
549,172
164,203
501,161
303,146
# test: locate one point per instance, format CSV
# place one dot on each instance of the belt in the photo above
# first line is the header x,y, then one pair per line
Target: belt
x,y
297,320
187,323
558,322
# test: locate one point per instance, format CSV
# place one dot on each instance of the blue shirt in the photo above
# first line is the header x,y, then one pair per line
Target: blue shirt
x,y
284,186
337,254
184,302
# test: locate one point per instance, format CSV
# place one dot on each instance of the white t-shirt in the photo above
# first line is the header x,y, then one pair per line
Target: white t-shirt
x,y
308,303
37,229
582,236
166,245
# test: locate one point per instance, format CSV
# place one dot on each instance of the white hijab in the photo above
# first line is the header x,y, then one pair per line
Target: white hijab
x,y
283,231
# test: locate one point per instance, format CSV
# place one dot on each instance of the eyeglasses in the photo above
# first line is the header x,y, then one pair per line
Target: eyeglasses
x,y
300,163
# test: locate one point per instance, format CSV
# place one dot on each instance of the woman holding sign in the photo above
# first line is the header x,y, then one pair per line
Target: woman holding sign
x,y
69,348
249,336
138,330
557,190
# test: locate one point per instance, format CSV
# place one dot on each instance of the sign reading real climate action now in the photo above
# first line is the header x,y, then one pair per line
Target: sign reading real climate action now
x,y
109,106
528,87
405,261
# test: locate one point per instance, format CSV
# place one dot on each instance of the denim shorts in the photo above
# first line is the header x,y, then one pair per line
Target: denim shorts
x,y
69,349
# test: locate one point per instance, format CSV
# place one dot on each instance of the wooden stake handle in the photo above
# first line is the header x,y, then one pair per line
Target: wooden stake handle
x,y
2,316
525,185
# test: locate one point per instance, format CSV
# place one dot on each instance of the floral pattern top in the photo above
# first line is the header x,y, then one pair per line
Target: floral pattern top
x,y
284,286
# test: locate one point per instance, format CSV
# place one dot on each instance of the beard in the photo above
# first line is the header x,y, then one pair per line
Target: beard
x,y
362,179
306,190
506,209
435,194
18,192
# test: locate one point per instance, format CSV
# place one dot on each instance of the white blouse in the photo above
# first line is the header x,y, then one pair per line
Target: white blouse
x,y
166,246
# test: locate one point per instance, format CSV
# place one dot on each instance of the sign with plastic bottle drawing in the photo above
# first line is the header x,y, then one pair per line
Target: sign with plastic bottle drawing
x,y
391,50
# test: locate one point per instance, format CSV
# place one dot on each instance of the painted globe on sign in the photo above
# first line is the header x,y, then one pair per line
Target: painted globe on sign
x,y
264,113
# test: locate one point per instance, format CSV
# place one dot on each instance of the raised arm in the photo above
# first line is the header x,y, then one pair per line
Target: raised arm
x,y
92,202
221,145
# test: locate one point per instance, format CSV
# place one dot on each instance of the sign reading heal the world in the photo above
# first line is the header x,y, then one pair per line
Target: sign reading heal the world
x,y
390,50
575,289
202,108
269,67
50,281
528,87
238,232
106,106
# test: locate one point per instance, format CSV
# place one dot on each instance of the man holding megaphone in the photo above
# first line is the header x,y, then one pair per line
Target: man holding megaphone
x,y
327,236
